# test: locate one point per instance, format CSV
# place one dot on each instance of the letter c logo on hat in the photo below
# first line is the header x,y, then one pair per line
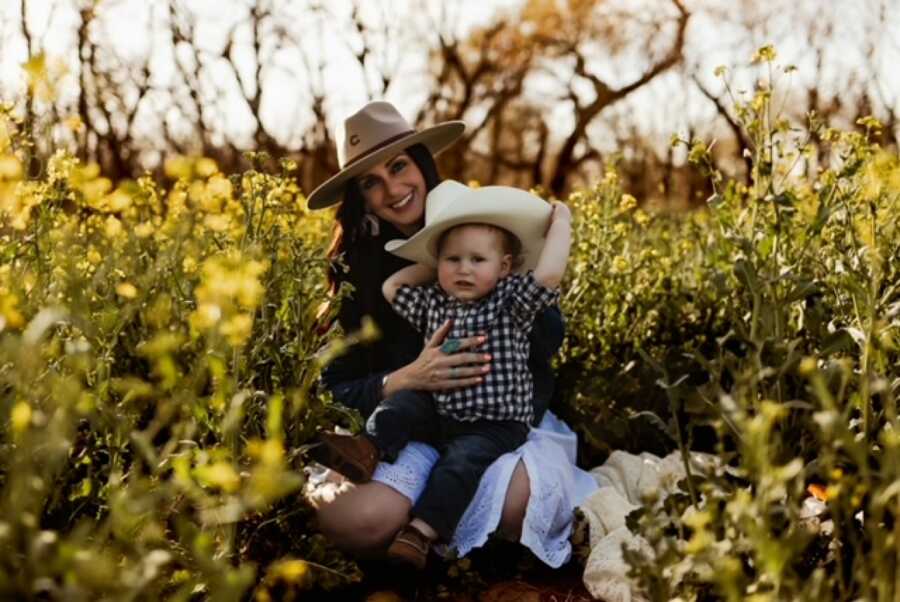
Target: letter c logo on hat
x,y
354,140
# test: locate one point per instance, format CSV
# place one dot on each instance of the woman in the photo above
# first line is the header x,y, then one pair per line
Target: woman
x,y
387,169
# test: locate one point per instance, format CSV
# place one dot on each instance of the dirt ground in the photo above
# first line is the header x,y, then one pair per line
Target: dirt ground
x,y
500,572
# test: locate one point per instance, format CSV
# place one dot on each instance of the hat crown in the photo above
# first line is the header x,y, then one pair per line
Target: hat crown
x,y
442,197
372,127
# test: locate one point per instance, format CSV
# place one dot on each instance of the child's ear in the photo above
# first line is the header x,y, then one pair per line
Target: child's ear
x,y
506,265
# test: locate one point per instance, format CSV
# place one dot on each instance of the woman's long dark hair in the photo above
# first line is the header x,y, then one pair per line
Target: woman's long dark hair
x,y
362,252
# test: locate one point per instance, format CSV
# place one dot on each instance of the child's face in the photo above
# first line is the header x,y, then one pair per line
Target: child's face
x,y
471,261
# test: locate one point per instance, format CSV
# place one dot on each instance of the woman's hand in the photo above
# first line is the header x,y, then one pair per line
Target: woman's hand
x,y
442,366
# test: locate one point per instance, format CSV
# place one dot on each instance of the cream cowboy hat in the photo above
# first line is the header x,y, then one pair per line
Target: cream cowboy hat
x,y
373,134
450,204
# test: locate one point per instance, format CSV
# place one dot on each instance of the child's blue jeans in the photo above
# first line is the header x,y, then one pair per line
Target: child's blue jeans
x,y
466,448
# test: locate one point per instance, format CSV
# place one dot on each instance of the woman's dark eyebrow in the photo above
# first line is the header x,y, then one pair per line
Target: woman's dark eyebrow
x,y
387,164
390,161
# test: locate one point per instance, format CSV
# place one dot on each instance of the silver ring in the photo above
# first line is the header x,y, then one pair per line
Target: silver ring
x,y
453,372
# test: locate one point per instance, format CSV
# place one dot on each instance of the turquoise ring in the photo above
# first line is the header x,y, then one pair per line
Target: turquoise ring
x,y
451,346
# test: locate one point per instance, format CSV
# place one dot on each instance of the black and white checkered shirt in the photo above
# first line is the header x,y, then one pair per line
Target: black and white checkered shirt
x,y
506,315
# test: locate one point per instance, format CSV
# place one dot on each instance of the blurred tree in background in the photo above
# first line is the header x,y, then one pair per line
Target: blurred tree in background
x,y
552,90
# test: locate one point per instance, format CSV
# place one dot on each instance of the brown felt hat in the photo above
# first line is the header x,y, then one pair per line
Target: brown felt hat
x,y
374,134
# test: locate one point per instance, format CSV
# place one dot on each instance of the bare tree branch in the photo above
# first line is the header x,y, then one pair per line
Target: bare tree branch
x,y
605,96
739,134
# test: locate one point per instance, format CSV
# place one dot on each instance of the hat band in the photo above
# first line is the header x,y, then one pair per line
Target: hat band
x,y
378,147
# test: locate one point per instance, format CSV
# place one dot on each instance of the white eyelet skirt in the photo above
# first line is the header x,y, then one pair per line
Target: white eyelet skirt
x,y
557,487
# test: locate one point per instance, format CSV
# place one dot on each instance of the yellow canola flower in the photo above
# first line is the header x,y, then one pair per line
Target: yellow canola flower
x,y
127,290
291,570
369,331
118,200
197,193
88,172
205,316
113,227
5,137
29,280
641,217
16,201
219,186
230,278
237,329
205,167
44,75
627,203
269,452
189,265
765,54
143,230
63,166
178,167
74,123
95,189
219,474
9,312
10,167
217,223
881,175
20,417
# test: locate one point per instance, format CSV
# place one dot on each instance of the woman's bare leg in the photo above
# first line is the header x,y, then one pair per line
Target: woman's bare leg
x,y
363,519
515,504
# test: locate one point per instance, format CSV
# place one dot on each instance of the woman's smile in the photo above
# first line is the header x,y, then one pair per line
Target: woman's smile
x,y
403,202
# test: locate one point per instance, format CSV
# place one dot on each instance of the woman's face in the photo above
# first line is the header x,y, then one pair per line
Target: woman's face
x,y
395,191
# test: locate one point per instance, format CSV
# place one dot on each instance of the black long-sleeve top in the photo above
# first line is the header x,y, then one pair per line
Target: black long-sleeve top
x,y
355,379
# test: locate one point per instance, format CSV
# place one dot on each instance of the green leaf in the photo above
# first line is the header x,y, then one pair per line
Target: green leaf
x,y
839,341
746,274
802,289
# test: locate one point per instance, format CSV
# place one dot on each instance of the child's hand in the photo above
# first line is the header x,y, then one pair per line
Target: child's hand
x,y
559,213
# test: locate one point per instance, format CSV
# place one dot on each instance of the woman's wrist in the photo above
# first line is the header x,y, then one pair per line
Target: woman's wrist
x,y
391,383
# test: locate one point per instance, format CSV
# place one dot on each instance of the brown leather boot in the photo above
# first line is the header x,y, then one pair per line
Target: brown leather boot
x,y
410,546
354,456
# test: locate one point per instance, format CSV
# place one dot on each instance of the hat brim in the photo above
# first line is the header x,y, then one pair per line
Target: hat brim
x,y
524,215
436,139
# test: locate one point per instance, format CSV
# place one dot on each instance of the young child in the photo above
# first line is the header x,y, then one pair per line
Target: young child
x,y
474,241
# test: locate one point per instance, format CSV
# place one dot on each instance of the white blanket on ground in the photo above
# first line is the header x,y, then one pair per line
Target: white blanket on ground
x,y
625,480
